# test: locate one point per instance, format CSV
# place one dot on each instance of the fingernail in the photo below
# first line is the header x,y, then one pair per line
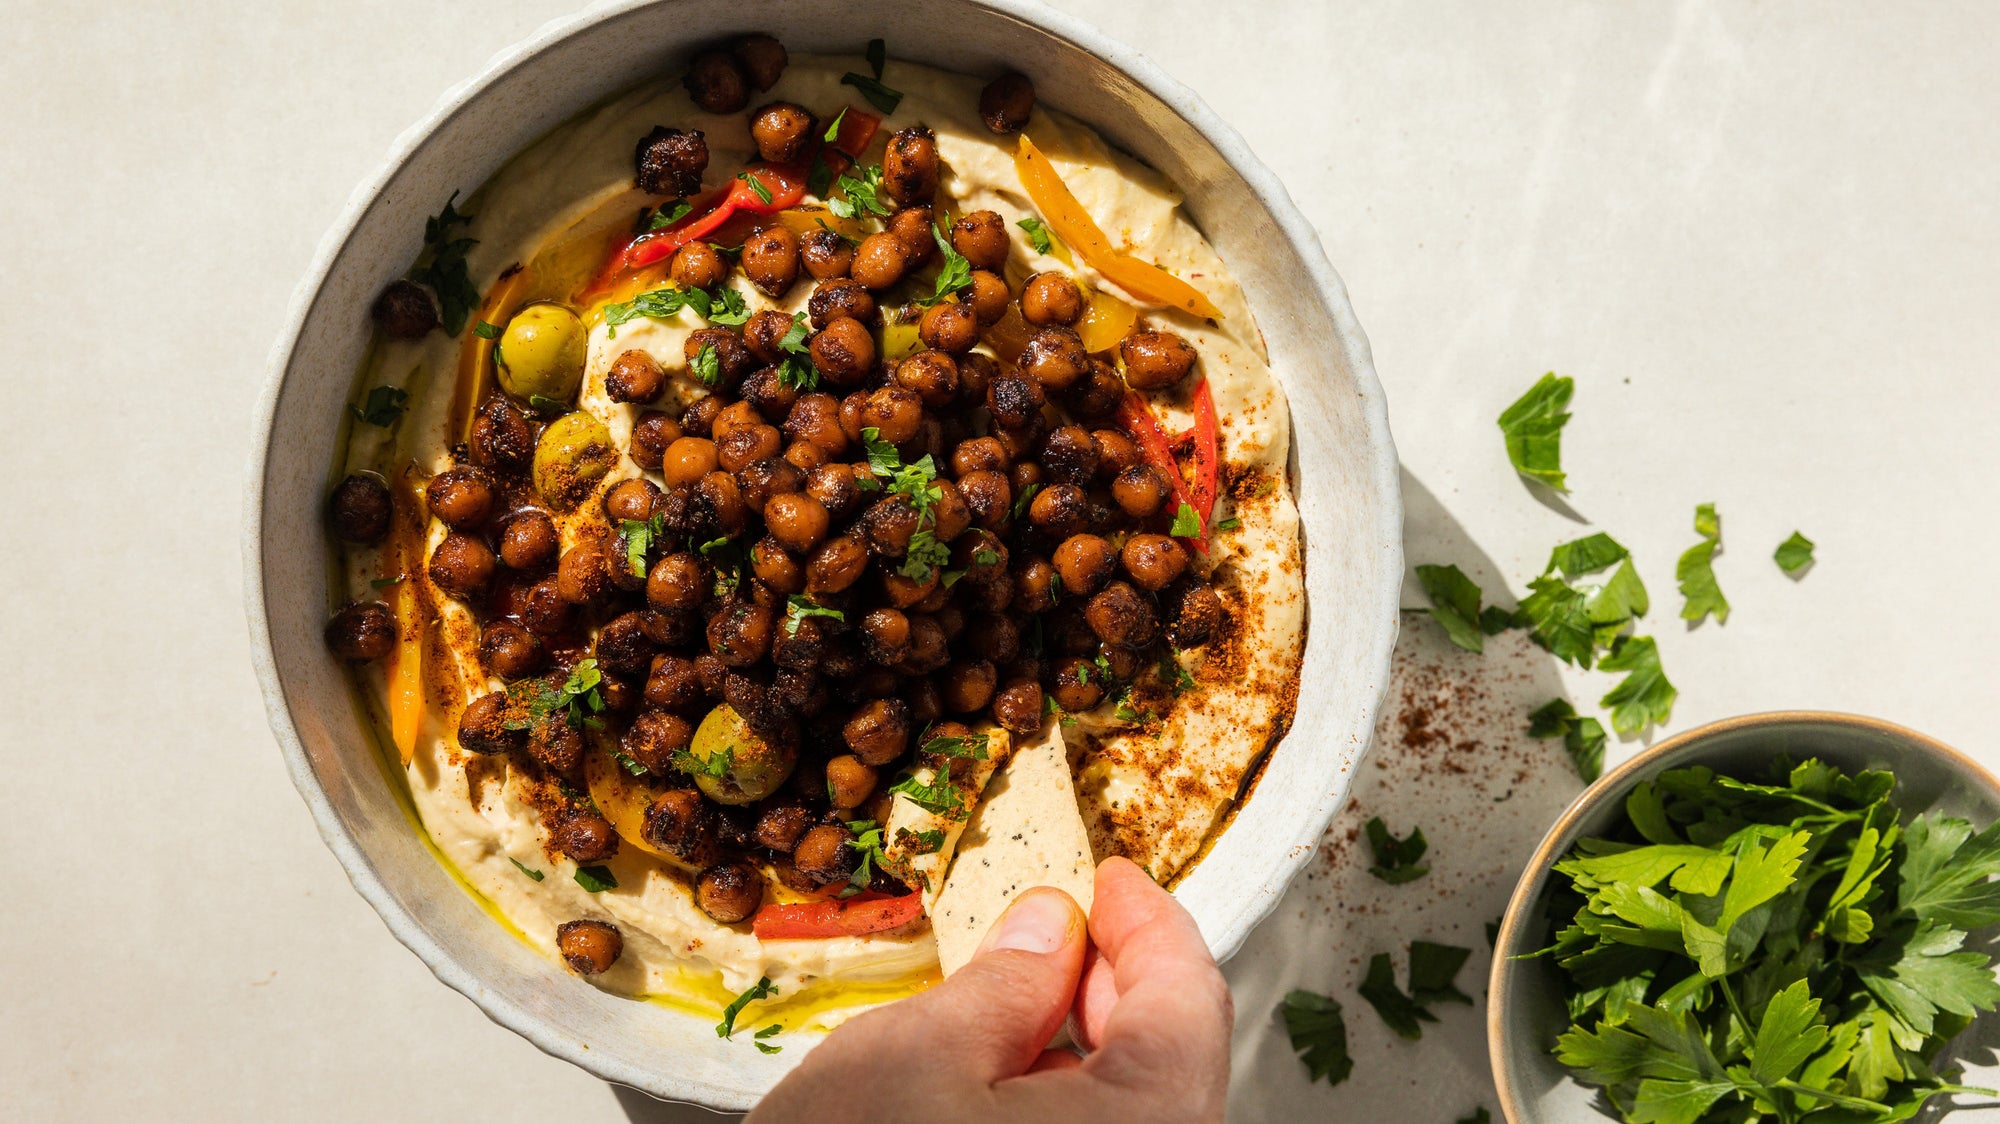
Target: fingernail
x,y
1038,921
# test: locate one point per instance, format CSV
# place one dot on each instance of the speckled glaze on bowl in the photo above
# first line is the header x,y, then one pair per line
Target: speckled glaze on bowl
x,y
1345,470
1524,1011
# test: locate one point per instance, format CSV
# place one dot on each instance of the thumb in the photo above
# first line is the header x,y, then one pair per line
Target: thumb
x,y
994,1016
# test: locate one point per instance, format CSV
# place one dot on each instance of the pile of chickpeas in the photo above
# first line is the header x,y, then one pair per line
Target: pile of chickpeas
x,y
1059,582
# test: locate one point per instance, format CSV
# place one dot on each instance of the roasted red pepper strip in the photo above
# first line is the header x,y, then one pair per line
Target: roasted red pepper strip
x,y
798,921
1207,457
783,185
1158,449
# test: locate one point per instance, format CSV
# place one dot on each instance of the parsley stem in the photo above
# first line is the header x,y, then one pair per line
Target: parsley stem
x,y
1845,1101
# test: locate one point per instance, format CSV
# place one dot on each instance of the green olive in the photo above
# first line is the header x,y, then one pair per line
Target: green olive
x,y
735,764
541,353
573,455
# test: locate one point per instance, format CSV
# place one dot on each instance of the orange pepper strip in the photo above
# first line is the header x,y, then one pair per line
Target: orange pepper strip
x,y
475,354
406,668
1074,225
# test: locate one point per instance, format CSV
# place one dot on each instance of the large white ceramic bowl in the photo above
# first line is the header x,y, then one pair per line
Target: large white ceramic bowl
x,y
1344,463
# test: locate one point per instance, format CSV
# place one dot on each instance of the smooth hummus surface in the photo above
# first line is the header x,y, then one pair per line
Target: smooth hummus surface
x,y
1156,771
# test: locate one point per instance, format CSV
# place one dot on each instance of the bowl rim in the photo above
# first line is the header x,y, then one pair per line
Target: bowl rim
x,y
1270,193
1534,879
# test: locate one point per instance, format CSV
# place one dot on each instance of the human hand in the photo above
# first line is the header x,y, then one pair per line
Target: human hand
x,y
1150,1007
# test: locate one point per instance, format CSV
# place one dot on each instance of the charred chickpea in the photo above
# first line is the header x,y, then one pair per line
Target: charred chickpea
x,y
950,327
967,685
529,543
1054,357
730,891
988,497
687,460
1014,402
461,565
771,259
993,635
895,412
746,444
775,567
764,334
981,238
725,500
696,420
732,359
913,227
1155,359
1051,299
849,781
631,500
359,510
762,58
1006,102
740,633
768,393
555,744
878,731
823,854
1034,586
404,311
1018,706
362,632
673,685
482,726
1193,612
634,377
717,83
1153,561
842,296
805,456
1076,684
988,296
542,609
781,826
697,266
462,497
1021,443
766,478
1115,453
885,635
1095,397
826,255
652,432
682,823
503,439
1086,563
782,131
843,352
1141,490
836,565
834,486
583,574
670,162
1070,455
1026,475
982,557
950,514
589,947
584,836
797,521
910,166
979,454
931,375
850,414
906,592
1121,615
880,261
815,417
889,524
976,373
510,651
732,417
1059,510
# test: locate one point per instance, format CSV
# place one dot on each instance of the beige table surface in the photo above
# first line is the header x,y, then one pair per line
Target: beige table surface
x,y
1763,238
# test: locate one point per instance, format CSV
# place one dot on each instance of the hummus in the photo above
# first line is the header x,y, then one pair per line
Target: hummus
x,y
1156,771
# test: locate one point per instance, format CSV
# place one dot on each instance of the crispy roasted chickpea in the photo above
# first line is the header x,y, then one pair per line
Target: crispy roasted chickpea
x,y
910,166
815,417
583,574
1059,511
780,826
730,891
988,296
670,162
1154,561
699,417
1054,357
1115,453
634,377
1051,299
1034,586
988,498
740,633
584,836
555,744
966,686
895,411
1077,685
931,375
979,454
1086,563
878,731
687,460
623,649
461,565
652,432
981,237
1018,706
542,609
697,265
760,480
782,131
797,521
775,567
764,334
732,359
1014,402
836,489
949,327
462,497
915,228
843,352
1141,490
823,854
849,781
631,500
762,58
676,583
880,261
837,564
771,259
359,510
1070,455
1121,615
502,437
745,445
362,632
767,392
656,736
589,947
673,685
1006,102
1155,359
842,296
888,524
404,311
717,83
482,726
1193,613
510,651
682,824
826,255
1095,397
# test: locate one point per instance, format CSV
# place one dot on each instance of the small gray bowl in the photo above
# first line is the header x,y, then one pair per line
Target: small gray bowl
x,y
1524,1011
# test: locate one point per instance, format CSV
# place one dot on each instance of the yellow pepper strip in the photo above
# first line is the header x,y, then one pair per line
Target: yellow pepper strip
x,y
475,354
1074,225
1105,321
406,667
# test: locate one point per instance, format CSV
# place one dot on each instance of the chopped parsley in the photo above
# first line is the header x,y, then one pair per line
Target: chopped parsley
x,y
1022,501
639,538
1455,602
757,187
578,697
525,869
1038,235
796,369
1402,1014
764,1047
1644,695
971,746
1559,616
385,583
627,762
1187,525
938,797
1396,860
985,556
1433,970
707,365
725,306
867,842
799,607
1696,572
667,215
1124,711
1319,1035
1230,524
1175,673
928,842
595,879
445,271
1584,738
925,555
833,128
762,989
485,331
1533,428
878,95
715,766
383,406
860,193
1794,554
954,272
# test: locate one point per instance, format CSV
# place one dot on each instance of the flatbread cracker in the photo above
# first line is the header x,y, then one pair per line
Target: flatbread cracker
x,y
1027,832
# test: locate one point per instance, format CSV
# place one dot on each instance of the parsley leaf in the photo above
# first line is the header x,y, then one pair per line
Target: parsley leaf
x,y
485,331
924,555
878,56
764,1047
1187,524
1644,696
1533,428
668,215
728,308
1038,235
1455,605
1403,1014
1319,1035
833,127
384,405
1794,554
799,606
927,842
525,869
707,365
1229,524
1396,860
796,369
595,879
878,95
446,272
971,746
867,842
639,537
1696,573
715,765
762,989
1559,616
939,797
1434,970
860,193
954,271
1022,501
757,187
1584,738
